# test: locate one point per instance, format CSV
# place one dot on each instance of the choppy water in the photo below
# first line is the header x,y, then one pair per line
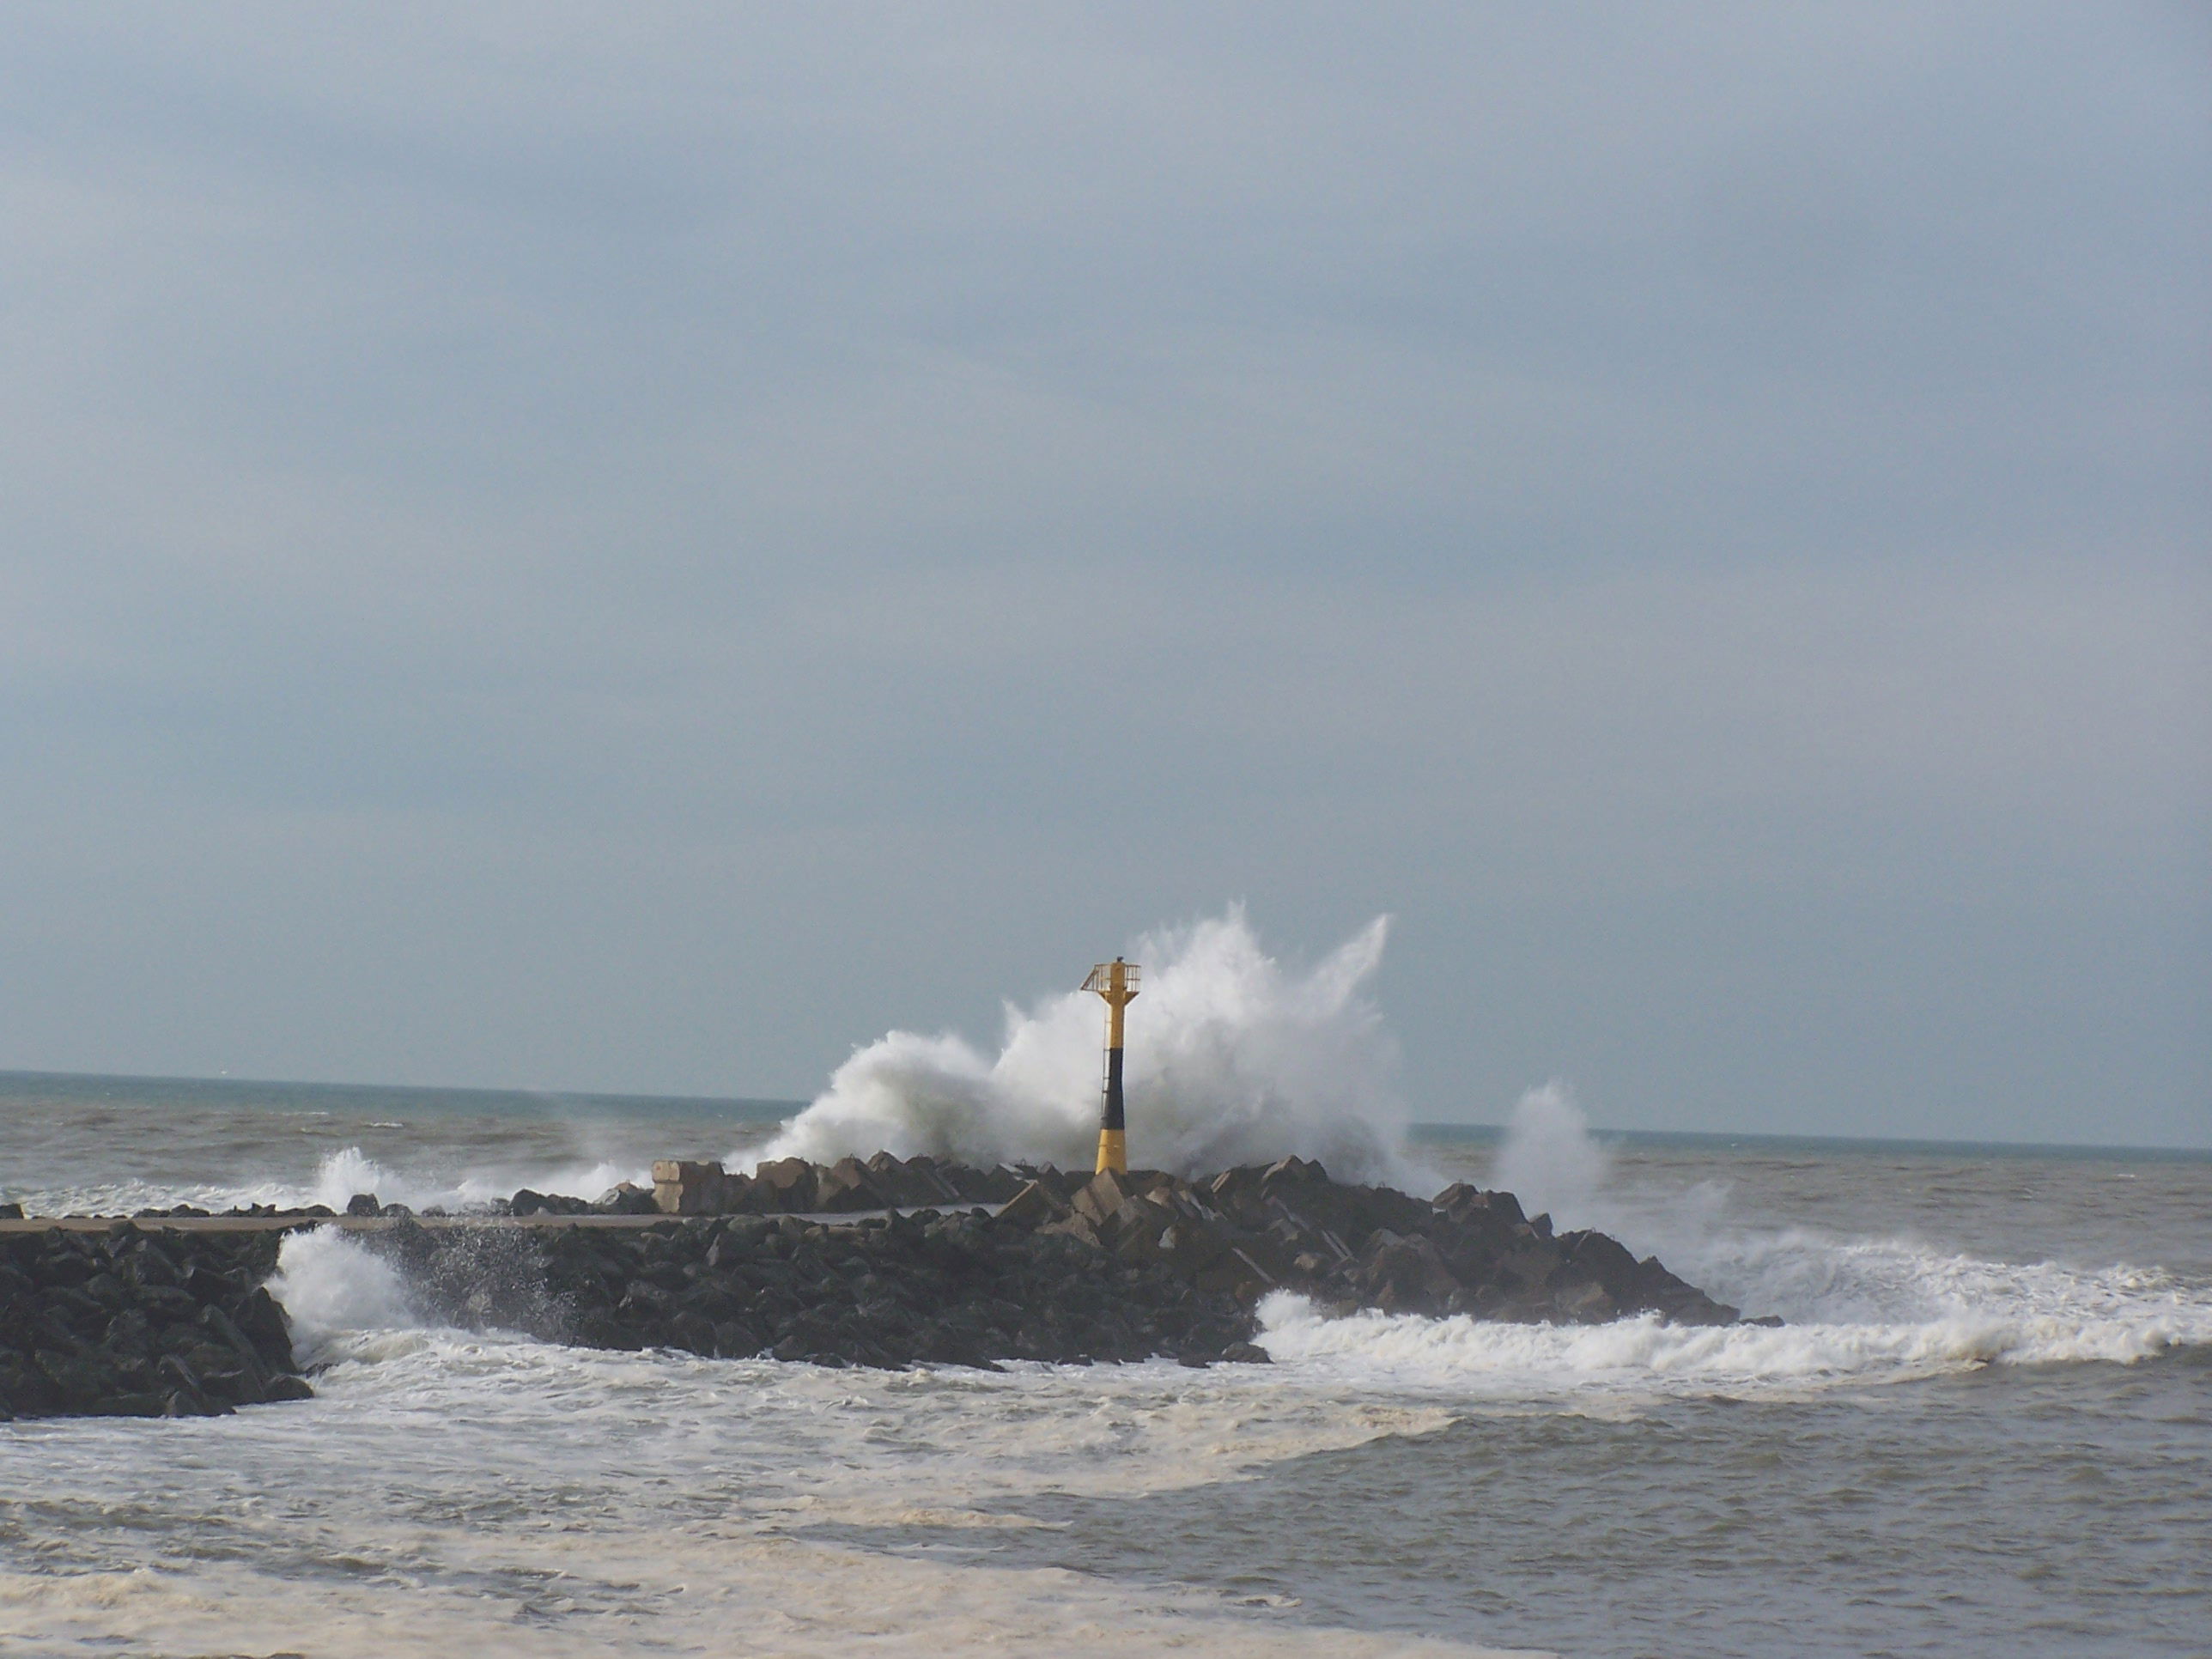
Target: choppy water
x,y
1988,1427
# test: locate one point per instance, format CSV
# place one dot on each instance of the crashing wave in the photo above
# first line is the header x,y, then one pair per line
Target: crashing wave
x,y
1233,1059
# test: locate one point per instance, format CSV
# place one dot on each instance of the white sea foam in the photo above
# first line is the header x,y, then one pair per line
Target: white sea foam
x,y
2018,1315
331,1288
343,1173
1232,1059
1857,1310
337,1177
468,1488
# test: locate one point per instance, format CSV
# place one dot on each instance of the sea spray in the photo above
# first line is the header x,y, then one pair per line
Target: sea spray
x,y
1552,1163
347,1171
1233,1059
2022,1317
1548,1159
331,1286
336,1178
1868,1306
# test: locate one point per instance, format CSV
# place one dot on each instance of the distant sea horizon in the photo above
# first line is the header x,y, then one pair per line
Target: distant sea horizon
x,y
770,1109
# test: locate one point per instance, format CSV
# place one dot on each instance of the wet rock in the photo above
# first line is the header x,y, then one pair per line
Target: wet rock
x,y
125,1324
263,1325
1404,1275
362,1204
932,1288
682,1186
1248,1231
787,1184
1100,1199
849,1185
792,1185
627,1199
526,1202
1033,1205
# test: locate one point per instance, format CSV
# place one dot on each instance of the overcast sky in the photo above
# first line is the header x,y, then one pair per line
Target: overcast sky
x,y
635,547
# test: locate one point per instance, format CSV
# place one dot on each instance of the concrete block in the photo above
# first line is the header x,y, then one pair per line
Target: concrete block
x,y
682,1187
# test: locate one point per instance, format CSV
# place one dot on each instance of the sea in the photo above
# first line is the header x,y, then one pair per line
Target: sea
x,y
1984,1427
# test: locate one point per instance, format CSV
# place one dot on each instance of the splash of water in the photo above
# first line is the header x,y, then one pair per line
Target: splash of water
x,y
348,1171
1548,1160
1232,1059
2017,1315
345,1172
329,1285
337,1177
1867,1309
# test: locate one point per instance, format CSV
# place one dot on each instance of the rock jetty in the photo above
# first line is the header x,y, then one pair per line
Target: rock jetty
x,y
887,1291
1249,1230
1036,1264
127,1323
888,1262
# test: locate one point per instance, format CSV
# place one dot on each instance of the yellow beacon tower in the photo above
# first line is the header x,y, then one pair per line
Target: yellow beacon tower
x,y
1116,982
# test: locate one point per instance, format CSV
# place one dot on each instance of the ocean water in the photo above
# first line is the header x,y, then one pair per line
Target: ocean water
x,y
1987,1427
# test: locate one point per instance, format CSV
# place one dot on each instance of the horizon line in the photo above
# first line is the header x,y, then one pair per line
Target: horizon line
x,y
1861,1142
1415,1126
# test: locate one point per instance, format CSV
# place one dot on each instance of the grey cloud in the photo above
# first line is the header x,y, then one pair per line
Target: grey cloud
x,y
561,545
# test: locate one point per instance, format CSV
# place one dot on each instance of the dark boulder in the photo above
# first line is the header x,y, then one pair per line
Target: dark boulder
x,y
527,1202
125,1324
628,1199
788,1184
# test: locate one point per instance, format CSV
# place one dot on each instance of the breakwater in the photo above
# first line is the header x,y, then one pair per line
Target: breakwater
x,y
1252,1230
127,1321
888,1263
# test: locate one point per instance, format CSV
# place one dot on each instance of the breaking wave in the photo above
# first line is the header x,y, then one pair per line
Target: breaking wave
x,y
337,1177
1867,1311
2103,1320
1232,1059
1857,1310
1548,1159
331,1286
